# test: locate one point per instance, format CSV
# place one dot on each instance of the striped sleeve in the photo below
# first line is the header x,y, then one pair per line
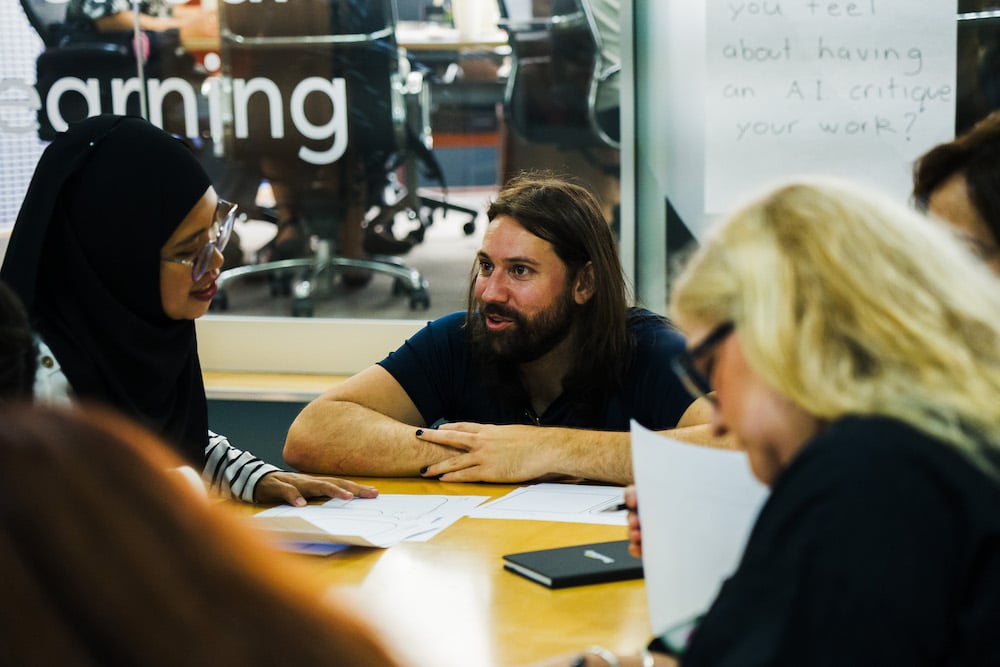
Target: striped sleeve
x,y
231,472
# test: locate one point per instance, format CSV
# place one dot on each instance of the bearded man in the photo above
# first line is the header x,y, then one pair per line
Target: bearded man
x,y
536,381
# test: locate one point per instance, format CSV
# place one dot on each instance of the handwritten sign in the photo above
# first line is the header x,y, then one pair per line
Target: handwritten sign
x,y
851,88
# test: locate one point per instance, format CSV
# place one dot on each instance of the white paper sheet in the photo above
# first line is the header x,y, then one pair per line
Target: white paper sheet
x,y
696,506
313,548
852,89
577,503
375,522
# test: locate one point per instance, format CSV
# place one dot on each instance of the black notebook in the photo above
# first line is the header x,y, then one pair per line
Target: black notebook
x,y
573,566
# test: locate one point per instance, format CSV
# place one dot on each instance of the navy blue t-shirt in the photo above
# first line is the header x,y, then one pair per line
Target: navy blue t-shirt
x,y
435,370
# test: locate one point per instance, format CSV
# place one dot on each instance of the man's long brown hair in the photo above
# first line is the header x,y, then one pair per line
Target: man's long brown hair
x,y
569,217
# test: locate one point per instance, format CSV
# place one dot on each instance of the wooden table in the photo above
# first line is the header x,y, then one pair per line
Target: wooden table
x,y
452,603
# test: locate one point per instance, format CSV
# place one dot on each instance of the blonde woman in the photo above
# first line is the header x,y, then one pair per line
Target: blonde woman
x,y
852,347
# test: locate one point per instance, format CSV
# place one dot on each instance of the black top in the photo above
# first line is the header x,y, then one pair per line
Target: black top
x,y
437,370
84,257
878,546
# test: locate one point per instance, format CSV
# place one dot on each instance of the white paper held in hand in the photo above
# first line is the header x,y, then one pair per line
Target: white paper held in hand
x,y
697,506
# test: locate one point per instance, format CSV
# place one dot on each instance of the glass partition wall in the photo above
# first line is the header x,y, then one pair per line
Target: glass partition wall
x,y
356,128
368,129
703,72
362,140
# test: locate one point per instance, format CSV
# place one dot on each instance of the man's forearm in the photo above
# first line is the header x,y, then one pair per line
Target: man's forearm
x,y
607,456
602,456
702,435
344,438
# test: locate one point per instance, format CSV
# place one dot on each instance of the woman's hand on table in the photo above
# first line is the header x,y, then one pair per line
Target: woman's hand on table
x,y
295,488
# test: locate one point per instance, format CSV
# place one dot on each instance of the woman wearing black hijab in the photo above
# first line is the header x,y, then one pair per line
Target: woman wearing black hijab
x,y
115,252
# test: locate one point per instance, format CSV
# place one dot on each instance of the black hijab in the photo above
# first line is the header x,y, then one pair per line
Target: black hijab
x,y
84,256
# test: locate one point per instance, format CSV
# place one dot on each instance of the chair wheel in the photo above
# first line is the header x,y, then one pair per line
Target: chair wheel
x,y
416,236
281,284
302,307
219,302
420,300
399,287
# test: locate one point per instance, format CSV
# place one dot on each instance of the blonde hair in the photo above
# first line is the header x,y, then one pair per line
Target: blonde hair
x,y
848,303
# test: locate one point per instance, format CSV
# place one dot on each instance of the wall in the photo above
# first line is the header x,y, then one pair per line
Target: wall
x,y
687,52
19,147
297,345
257,426
669,151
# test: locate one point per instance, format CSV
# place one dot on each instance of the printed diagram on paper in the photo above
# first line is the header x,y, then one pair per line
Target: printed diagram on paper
x,y
578,503
378,522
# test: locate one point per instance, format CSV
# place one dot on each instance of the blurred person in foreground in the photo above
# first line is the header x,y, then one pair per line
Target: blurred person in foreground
x,y
108,559
852,347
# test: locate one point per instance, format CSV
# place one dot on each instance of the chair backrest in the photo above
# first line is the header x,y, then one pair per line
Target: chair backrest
x,y
43,15
286,45
108,57
604,100
557,69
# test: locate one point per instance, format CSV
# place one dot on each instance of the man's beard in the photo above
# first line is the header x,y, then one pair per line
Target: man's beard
x,y
525,340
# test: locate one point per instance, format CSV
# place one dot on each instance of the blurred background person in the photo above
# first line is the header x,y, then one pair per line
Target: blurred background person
x,y
191,20
959,182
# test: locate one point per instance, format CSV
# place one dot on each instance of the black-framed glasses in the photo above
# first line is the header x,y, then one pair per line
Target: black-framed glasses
x,y
685,364
219,232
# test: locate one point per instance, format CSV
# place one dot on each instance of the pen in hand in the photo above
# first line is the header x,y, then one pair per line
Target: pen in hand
x,y
616,508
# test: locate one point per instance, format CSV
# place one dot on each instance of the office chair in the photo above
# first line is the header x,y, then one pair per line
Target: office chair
x,y
415,156
46,18
104,56
80,59
557,73
324,41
